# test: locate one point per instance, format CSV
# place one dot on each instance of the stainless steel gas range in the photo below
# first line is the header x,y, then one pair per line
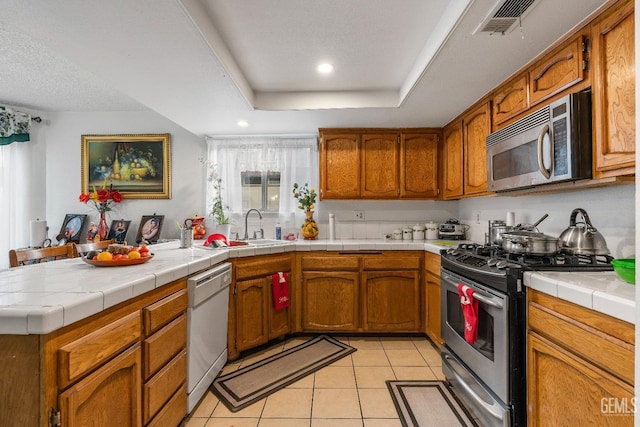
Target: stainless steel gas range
x,y
490,374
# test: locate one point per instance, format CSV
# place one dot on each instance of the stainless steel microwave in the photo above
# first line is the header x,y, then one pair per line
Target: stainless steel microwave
x,y
550,145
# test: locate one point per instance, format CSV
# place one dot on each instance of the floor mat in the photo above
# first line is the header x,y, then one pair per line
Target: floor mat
x,y
247,385
428,404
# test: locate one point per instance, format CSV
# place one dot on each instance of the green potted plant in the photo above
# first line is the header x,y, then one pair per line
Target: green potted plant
x,y
219,211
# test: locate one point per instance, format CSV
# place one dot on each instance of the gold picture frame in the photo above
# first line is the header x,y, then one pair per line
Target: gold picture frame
x,y
138,166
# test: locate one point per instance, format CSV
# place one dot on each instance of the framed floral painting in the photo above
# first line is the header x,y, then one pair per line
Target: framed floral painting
x,y
137,165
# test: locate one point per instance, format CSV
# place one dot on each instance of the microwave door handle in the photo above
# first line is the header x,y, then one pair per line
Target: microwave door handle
x,y
544,171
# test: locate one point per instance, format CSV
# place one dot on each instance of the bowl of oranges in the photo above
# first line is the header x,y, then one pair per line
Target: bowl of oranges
x,y
118,255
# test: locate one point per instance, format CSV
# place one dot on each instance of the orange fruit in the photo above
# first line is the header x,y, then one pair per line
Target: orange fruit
x,y
104,256
134,255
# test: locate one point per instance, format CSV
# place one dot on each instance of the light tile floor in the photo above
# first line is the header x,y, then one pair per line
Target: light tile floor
x,y
349,393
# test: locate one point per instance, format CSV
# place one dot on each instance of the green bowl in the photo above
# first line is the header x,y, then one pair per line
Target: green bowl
x,y
626,269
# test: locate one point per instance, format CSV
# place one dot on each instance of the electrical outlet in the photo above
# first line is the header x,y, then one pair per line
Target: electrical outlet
x,y
358,215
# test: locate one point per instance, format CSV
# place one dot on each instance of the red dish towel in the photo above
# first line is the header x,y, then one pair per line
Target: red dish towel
x,y
280,290
470,311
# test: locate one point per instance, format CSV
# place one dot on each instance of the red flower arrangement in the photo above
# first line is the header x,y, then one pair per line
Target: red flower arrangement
x,y
102,199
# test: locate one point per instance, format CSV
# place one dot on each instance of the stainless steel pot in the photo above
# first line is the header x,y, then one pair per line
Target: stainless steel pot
x,y
496,229
582,238
529,243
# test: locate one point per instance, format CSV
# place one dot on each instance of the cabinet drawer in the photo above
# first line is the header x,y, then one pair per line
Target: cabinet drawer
x,y
346,262
164,345
432,263
595,337
391,263
159,389
261,267
162,312
81,356
173,412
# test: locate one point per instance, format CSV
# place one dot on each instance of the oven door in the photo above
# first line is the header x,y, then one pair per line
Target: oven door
x,y
488,357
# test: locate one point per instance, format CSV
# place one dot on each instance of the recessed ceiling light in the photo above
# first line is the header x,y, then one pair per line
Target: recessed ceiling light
x,y
243,123
325,68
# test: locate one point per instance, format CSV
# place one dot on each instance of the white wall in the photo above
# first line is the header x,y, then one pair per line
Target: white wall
x,y
611,210
60,138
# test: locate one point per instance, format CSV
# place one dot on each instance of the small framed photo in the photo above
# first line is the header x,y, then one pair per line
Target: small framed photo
x,y
118,230
72,227
150,227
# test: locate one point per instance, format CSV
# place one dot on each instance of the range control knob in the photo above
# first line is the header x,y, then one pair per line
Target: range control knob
x,y
453,251
492,262
502,264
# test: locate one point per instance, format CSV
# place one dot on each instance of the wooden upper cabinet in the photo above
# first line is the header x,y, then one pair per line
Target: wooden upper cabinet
x,y
379,169
510,100
453,171
614,111
419,165
476,127
382,164
339,171
563,67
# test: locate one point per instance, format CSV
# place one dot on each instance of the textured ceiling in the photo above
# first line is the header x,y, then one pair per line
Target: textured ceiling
x,y
205,64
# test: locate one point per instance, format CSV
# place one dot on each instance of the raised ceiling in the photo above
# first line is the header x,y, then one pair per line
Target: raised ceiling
x,y
205,64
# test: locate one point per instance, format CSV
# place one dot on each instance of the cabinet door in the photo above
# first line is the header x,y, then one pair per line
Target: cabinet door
x,y
339,166
110,396
563,390
418,165
563,67
379,166
433,308
252,313
476,128
391,301
279,323
614,108
452,161
510,100
330,301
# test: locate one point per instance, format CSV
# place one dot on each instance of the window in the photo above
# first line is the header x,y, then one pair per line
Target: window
x,y
259,172
260,190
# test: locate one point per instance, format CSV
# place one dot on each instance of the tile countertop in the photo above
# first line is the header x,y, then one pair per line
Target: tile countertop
x,y
600,291
41,298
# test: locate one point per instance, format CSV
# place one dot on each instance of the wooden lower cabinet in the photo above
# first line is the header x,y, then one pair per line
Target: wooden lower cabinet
x,y
92,372
253,320
109,396
566,390
432,304
580,365
330,301
361,292
391,301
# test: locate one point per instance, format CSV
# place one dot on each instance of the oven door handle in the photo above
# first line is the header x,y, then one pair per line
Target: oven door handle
x,y
546,130
494,409
487,300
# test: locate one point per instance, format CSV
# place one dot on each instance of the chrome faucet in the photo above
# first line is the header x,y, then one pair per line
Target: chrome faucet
x,y
246,228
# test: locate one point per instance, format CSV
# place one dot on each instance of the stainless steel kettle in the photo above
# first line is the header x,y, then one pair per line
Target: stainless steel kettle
x,y
582,238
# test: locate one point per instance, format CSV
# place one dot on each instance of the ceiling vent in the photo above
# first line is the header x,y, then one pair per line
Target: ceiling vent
x,y
505,16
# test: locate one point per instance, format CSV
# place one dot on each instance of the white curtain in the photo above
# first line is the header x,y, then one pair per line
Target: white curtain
x,y
14,181
295,157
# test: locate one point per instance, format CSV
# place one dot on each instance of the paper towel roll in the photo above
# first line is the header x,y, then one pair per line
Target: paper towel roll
x,y
37,233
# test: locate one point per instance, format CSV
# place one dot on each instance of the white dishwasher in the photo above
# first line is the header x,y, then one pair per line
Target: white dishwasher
x,y
206,329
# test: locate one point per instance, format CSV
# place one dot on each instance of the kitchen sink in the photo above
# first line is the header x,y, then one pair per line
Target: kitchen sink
x,y
256,242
